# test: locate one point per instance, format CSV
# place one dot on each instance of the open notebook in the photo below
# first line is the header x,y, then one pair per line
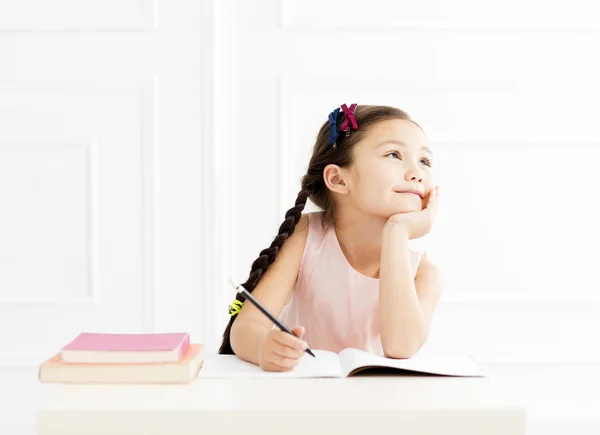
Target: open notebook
x,y
348,362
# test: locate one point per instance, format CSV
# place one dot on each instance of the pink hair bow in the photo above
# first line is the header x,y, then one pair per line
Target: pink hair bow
x,y
349,118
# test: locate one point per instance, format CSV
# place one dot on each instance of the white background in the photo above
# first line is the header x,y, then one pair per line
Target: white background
x,y
149,150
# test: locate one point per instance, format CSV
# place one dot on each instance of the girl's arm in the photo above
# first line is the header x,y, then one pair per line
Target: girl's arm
x,y
406,305
273,291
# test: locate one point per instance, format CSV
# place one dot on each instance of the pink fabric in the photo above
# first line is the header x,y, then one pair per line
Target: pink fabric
x,y
336,304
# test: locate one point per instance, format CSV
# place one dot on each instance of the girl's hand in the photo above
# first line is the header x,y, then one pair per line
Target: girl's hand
x,y
418,223
280,351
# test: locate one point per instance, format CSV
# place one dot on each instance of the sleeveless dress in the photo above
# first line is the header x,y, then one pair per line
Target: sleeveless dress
x,y
336,304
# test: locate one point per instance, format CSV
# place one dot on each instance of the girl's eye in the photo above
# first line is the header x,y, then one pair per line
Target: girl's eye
x,y
425,161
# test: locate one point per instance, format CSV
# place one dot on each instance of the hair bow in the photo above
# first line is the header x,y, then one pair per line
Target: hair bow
x,y
333,131
349,118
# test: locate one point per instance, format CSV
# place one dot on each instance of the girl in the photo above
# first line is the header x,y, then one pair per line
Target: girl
x,y
345,276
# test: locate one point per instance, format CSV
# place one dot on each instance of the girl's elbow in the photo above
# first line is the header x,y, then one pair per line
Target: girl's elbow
x,y
402,350
399,352
237,336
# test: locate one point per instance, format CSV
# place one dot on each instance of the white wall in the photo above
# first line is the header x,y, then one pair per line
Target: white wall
x,y
105,179
149,150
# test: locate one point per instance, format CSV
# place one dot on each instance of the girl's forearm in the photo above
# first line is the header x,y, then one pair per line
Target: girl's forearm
x,y
400,315
246,338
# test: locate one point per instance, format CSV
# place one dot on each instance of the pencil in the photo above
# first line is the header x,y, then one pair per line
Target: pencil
x,y
270,316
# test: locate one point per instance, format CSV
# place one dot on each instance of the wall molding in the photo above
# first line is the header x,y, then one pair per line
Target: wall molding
x,y
150,204
289,20
65,20
89,146
147,90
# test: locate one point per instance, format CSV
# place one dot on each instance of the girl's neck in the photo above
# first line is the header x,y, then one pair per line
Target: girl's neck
x,y
359,237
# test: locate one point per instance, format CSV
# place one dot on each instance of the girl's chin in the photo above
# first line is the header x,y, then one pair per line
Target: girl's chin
x,y
406,209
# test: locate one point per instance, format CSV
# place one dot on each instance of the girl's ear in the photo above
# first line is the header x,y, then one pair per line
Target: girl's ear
x,y
334,179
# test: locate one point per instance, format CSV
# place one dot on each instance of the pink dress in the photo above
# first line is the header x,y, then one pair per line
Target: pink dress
x,y
336,304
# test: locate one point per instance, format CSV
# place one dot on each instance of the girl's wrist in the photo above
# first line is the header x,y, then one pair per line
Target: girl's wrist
x,y
397,227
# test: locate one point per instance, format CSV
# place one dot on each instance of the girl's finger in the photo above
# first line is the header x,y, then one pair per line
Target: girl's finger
x,y
282,362
432,198
287,352
289,340
277,368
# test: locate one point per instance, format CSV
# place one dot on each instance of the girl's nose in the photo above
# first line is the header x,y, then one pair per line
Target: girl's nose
x,y
413,174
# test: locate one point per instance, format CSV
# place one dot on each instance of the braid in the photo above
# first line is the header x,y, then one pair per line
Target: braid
x,y
267,257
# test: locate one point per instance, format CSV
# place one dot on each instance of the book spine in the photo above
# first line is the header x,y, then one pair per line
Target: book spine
x,y
183,348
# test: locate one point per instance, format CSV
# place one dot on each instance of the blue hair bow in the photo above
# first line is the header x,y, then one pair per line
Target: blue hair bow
x,y
333,131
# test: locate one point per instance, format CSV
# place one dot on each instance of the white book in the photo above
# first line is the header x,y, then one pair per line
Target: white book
x,y
348,362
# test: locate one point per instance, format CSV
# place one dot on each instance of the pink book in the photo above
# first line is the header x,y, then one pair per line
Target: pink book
x,y
96,348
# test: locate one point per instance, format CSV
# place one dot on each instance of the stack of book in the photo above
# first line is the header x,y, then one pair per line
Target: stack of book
x,y
125,358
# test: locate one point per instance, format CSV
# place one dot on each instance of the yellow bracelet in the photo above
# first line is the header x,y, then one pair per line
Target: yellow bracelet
x,y
235,307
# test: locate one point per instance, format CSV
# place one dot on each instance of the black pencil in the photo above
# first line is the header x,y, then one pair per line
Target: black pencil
x,y
270,316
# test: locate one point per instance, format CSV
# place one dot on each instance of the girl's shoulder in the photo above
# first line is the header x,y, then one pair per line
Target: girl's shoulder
x,y
303,224
276,285
294,244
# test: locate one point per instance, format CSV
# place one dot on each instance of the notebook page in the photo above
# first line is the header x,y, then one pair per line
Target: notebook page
x,y
326,364
430,362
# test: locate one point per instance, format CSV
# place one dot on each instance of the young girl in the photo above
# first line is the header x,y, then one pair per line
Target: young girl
x,y
345,276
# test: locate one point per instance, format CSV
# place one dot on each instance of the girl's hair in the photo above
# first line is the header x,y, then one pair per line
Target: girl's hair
x,y
313,187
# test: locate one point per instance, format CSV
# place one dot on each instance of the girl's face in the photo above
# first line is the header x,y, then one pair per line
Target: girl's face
x,y
392,170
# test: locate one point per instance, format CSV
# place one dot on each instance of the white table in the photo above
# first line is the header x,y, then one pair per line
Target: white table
x,y
415,405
